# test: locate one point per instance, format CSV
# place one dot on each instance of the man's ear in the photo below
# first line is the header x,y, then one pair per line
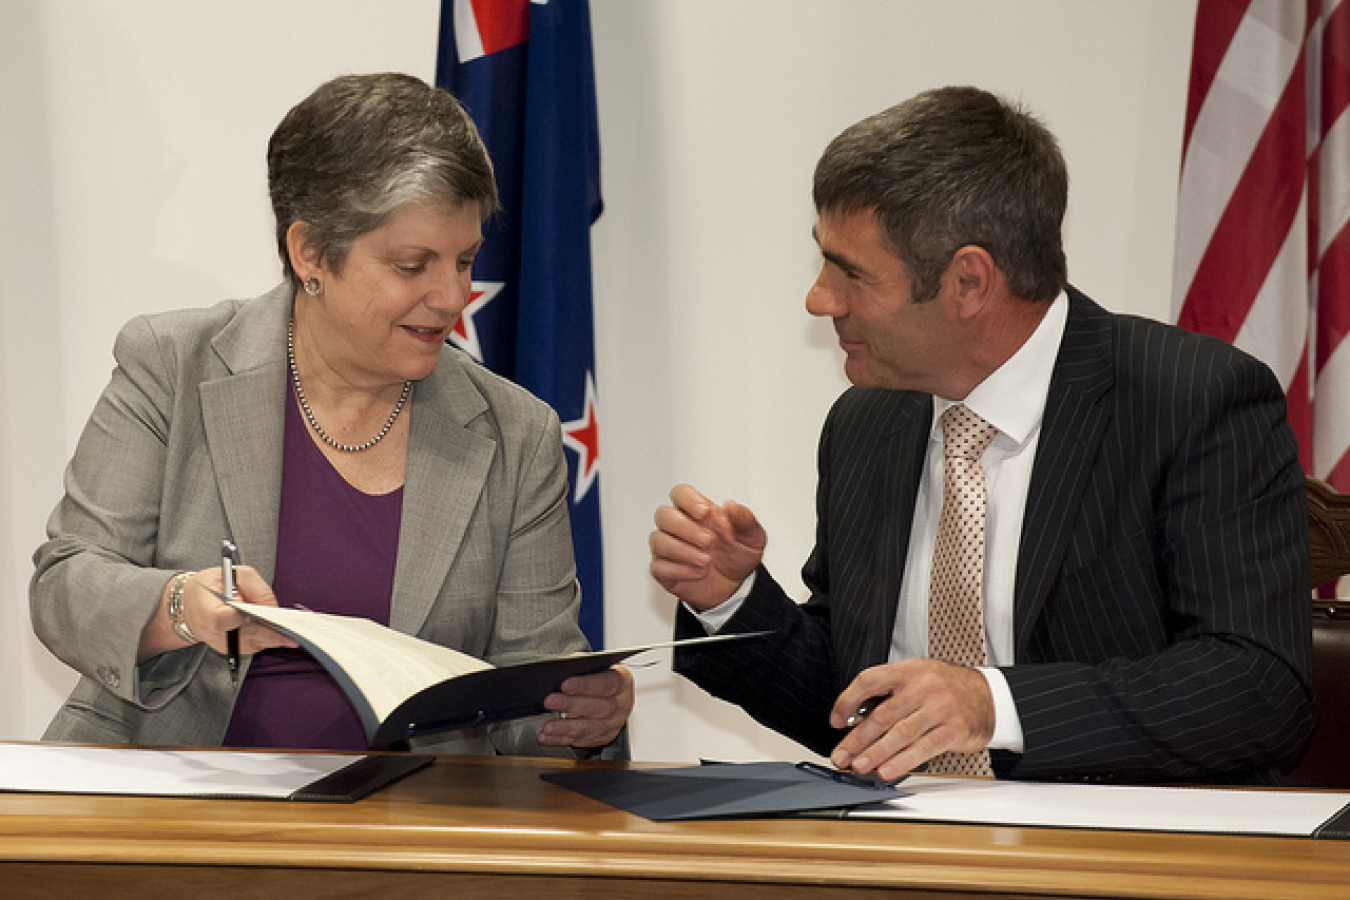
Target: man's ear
x,y
304,254
973,277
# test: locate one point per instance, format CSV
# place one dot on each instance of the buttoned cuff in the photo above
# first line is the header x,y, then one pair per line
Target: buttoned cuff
x,y
1007,724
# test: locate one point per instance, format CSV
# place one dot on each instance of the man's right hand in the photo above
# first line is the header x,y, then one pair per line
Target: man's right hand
x,y
701,552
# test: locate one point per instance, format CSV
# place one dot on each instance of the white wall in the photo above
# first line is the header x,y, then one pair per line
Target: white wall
x,y
132,179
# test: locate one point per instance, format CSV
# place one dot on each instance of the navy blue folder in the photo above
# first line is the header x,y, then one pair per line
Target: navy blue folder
x,y
724,790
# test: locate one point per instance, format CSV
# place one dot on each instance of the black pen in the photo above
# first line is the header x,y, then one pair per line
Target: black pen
x,y
864,710
229,558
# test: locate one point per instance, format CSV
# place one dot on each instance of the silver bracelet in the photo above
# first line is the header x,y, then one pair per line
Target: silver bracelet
x,y
176,617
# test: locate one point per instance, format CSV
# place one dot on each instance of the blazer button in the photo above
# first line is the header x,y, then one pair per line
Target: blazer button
x,y
109,676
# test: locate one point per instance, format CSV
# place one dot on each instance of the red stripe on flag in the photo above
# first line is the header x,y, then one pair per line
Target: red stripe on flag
x,y
1333,268
1333,287
502,23
1255,222
1336,65
1335,97
1258,214
1215,25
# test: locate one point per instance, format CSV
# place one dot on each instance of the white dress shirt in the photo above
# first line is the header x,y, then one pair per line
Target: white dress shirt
x,y
1012,399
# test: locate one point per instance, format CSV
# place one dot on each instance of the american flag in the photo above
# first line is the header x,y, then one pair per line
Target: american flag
x,y
1263,246
524,71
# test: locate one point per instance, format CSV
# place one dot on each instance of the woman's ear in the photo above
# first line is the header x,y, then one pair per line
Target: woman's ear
x,y
304,254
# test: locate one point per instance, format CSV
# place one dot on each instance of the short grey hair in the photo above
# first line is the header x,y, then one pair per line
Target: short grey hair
x,y
949,168
361,146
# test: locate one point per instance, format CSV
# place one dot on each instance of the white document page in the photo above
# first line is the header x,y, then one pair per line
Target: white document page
x,y
1196,809
389,666
50,768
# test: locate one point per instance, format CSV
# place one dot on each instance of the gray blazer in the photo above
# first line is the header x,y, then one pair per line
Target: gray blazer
x,y
184,448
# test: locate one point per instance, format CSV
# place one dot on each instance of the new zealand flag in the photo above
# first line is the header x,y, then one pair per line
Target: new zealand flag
x,y
524,71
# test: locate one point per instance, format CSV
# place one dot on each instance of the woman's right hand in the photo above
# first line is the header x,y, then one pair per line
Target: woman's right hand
x,y
209,619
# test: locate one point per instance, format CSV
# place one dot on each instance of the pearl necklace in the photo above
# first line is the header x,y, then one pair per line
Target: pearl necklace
x,y
309,414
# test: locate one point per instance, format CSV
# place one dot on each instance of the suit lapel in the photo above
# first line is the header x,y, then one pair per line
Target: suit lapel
x,y
907,449
447,467
1075,420
876,450
244,420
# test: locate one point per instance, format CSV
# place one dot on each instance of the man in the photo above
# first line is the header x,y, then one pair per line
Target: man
x,y
1121,587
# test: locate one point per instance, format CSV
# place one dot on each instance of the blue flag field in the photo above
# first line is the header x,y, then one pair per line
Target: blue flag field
x,y
524,71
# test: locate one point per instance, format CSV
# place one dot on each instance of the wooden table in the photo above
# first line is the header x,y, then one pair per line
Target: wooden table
x,y
469,827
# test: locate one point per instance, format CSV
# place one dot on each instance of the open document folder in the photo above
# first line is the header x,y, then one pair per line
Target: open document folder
x,y
404,687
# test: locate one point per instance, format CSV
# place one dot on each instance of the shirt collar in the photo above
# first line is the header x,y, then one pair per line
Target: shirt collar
x,y
1013,397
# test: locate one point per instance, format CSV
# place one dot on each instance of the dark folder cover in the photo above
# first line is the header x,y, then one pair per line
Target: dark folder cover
x,y
362,778
723,790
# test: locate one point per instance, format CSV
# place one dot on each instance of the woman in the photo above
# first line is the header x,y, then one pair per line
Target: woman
x,y
361,465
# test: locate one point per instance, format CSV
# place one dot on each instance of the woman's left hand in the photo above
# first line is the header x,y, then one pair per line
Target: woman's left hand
x,y
592,709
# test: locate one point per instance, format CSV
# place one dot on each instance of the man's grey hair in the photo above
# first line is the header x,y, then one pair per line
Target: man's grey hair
x,y
949,168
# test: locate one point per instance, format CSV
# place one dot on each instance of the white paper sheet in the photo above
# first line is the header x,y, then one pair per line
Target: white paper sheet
x,y
1194,809
53,768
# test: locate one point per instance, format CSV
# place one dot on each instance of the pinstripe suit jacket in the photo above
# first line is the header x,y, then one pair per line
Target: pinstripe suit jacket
x,y
1162,626
184,448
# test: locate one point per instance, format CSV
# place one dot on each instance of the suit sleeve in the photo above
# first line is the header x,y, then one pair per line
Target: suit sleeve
x,y
1178,649
95,584
538,595
786,681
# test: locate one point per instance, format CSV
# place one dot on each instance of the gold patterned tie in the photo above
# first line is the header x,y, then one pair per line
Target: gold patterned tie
x,y
955,614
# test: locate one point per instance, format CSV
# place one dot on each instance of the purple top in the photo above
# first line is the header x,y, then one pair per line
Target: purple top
x,y
336,548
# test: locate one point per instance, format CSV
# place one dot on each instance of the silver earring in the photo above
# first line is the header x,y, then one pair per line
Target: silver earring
x,y
313,285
